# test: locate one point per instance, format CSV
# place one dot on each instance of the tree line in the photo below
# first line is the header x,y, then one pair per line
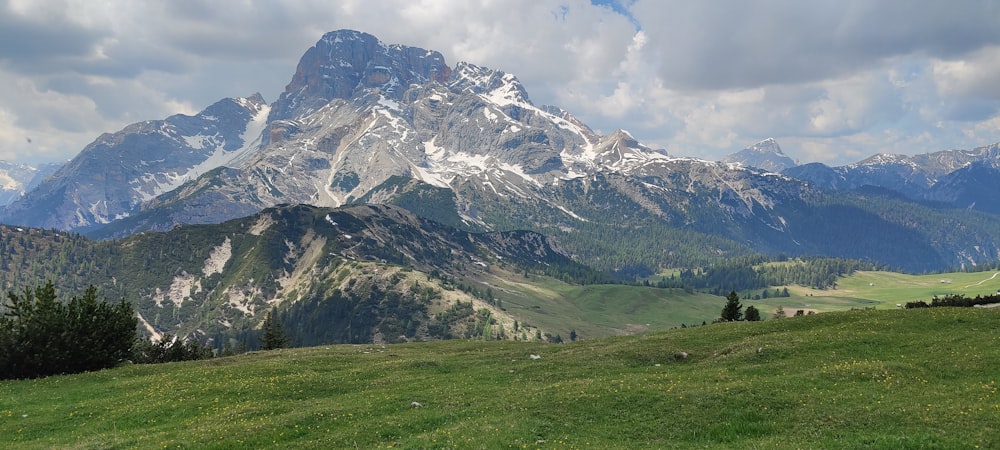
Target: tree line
x,y
958,300
40,335
757,272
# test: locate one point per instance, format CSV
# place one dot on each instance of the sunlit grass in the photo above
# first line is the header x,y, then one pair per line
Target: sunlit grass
x,y
861,379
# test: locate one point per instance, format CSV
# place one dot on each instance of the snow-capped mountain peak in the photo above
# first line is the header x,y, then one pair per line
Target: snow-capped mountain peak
x,y
765,155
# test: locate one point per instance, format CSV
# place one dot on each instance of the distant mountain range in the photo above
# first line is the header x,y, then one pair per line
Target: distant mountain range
x,y
955,178
16,179
365,121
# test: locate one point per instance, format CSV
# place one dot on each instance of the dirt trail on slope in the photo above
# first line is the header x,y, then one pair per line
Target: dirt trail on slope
x,y
981,282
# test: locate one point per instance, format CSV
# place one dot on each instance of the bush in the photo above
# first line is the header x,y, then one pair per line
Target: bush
x,y
958,300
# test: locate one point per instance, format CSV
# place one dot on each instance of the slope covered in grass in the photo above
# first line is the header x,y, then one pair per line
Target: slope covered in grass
x,y
860,379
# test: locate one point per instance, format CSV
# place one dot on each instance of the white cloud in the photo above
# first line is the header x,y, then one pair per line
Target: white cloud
x,y
833,80
972,76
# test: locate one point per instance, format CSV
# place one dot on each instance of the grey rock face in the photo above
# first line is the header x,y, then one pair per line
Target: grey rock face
x,y
331,141
345,63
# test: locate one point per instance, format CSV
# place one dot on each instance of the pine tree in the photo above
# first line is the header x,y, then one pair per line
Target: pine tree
x,y
274,336
733,311
752,314
41,336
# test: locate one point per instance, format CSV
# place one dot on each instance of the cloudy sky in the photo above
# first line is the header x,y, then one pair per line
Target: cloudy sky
x,y
833,81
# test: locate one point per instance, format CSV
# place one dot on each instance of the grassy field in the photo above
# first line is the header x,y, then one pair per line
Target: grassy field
x,y
609,310
895,379
604,310
883,290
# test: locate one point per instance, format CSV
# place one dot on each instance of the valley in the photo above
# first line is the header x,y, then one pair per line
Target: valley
x,y
607,224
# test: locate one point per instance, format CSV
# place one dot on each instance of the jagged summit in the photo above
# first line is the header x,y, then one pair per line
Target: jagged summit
x,y
768,145
765,155
882,159
344,63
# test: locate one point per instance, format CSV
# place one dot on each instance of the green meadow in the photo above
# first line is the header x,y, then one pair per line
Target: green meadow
x,y
604,310
608,310
883,290
921,378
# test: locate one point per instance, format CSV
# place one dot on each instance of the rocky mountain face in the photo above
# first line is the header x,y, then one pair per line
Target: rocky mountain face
x,y
765,155
345,64
16,179
366,121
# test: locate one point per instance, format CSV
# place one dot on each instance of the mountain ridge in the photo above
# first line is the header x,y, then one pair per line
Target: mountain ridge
x,y
369,268
934,176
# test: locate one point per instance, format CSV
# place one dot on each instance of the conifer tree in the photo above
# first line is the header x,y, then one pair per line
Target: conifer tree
x,y
733,311
752,314
274,336
41,336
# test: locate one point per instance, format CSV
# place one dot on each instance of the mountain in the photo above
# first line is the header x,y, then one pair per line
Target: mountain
x,y
364,121
371,272
957,178
16,179
765,155
113,176
975,186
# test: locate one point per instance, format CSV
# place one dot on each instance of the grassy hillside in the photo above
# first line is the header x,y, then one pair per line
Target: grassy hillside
x,y
860,379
